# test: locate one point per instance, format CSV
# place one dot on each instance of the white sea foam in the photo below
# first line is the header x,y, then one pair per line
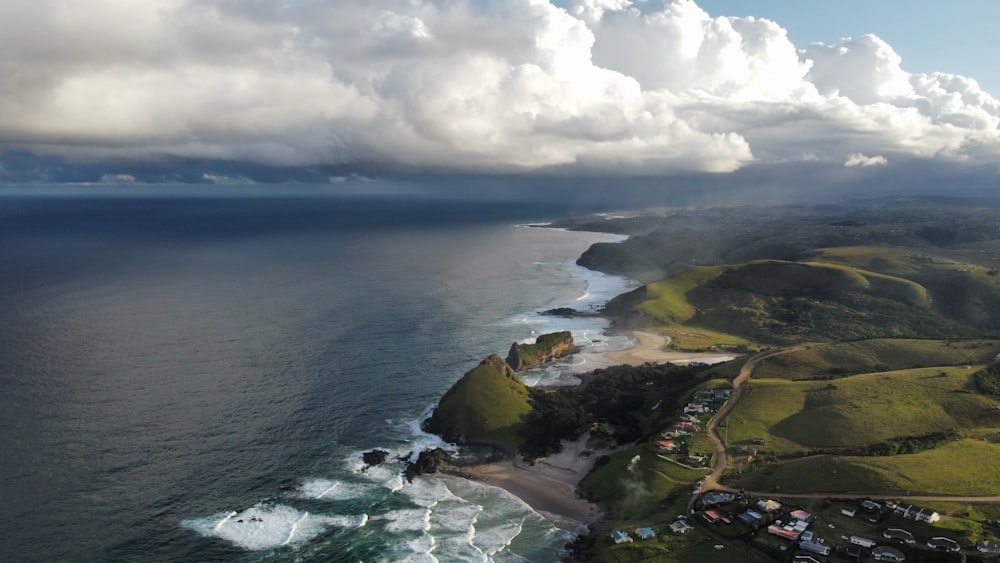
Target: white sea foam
x,y
333,490
268,527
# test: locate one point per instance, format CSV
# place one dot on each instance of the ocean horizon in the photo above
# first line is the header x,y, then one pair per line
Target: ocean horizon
x,y
196,376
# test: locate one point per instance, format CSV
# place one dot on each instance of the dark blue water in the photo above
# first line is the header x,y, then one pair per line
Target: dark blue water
x,y
171,365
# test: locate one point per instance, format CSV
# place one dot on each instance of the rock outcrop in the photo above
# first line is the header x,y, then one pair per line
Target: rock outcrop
x,y
487,404
429,461
547,347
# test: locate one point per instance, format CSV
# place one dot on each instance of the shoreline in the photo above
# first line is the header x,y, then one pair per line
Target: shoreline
x,y
549,485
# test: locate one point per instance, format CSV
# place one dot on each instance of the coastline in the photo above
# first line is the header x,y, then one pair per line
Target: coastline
x,y
549,485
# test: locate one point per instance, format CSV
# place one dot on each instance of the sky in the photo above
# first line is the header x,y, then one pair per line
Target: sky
x,y
224,91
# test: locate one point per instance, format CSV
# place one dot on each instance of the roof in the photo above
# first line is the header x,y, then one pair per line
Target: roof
x,y
939,542
989,546
800,515
898,534
884,552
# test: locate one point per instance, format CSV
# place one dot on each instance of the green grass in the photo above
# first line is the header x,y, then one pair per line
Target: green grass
x,y
964,468
859,410
488,403
816,473
836,359
781,302
635,490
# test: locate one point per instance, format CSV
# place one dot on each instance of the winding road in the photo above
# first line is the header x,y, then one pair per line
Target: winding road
x,y
711,482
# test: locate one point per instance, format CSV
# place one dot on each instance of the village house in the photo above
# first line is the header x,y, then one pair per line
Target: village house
x,y
751,517
620,537
943,544
862,541
886,553
988,546
898,534
790,531
814,547
917,513
768,505
645,533
681,527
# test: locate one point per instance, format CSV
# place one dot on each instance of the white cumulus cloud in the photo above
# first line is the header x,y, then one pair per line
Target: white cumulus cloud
x,y
591,86
858,159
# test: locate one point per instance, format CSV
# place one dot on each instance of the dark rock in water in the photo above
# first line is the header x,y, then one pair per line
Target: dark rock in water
x,y
429,461
567,312
374,457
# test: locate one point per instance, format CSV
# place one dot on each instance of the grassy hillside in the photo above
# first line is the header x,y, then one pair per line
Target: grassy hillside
x,y
783,302
488,403
859,411
964,467
838,359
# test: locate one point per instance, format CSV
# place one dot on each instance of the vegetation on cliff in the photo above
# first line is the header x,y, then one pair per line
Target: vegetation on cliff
x,y
547,347
488,404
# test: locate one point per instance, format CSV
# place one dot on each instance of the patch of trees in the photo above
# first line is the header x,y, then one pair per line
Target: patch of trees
x,y
612,401
893,446
988,380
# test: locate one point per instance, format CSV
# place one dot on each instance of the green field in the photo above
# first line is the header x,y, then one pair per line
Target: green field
x,y
836,359
965,467
859,410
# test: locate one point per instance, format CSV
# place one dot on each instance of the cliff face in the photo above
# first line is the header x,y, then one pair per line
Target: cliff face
x,y
487,404
547,347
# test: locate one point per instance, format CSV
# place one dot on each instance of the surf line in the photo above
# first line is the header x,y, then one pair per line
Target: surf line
x,y
295,527
328,489
223,521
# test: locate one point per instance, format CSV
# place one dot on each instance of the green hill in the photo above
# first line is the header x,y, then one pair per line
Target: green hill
x,y
782,302
838,359
487,404
860,411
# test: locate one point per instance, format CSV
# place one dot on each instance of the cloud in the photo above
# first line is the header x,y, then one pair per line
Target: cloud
x,y
117,179
595,86
858,159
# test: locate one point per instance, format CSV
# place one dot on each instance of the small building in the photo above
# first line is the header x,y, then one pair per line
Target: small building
x,y
862,541
645,533
886,553
620,537
751,517
768,505
790,531
814,547
848,512
801,515
712,517
988,546
917,513
943,544
717,498
869,506
681,527
899,535
665,445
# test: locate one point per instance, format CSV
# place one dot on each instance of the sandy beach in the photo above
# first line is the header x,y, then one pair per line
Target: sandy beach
x,y
650,347
549,486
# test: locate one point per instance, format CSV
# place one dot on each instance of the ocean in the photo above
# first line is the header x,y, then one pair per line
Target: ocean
x,y
193,374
